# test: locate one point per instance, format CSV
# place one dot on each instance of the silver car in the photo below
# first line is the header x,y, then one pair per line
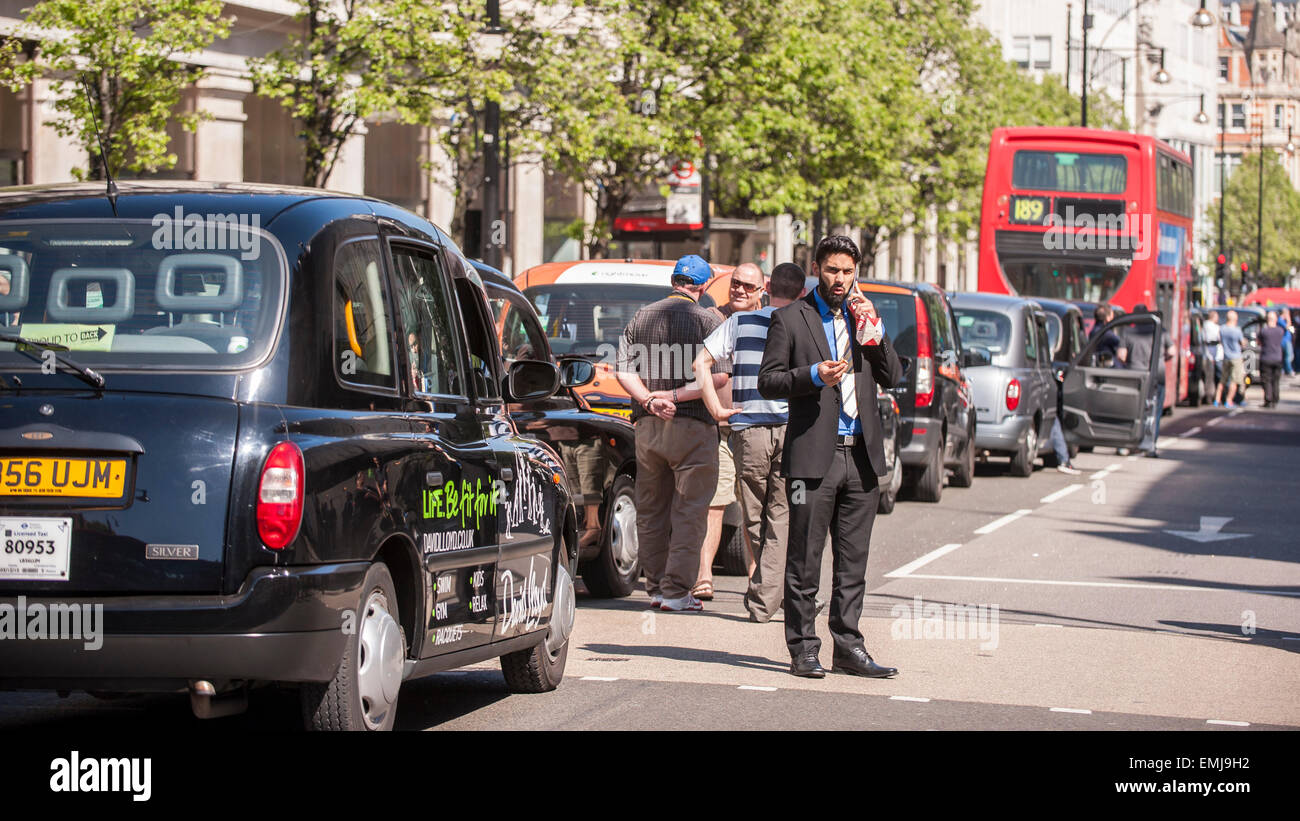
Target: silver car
x,y
1015,393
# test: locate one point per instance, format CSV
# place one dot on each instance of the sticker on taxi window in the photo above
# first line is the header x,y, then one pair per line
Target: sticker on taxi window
x,y
72,337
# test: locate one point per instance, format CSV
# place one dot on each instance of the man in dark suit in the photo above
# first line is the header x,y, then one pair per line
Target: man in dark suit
x,y
833,453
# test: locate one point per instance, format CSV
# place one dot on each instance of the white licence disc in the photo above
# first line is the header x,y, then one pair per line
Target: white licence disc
x,y
35,549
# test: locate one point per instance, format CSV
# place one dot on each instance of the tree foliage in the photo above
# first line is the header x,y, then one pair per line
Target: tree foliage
x,y
117,71
1281,224
357,59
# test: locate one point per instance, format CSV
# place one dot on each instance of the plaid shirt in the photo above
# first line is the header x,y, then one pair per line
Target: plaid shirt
x,y
660,344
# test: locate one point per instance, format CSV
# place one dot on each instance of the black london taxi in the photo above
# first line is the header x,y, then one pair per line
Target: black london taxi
x,y
259,435
599,449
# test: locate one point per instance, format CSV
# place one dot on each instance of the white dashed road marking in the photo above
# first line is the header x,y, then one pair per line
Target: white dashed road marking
x,y
1071,710
755,687
599,678
924,560
909,698
1005,520
1228,723
1171,587
1060,494
1191,432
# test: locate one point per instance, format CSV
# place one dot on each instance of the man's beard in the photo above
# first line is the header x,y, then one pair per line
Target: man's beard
x,y
833,302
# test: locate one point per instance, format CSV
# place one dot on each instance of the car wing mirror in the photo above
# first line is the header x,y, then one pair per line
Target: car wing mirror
x,y
906,362
576,371
530,381
975,357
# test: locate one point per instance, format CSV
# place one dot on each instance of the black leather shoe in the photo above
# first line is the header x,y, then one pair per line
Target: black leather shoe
x,y
859,663
807,666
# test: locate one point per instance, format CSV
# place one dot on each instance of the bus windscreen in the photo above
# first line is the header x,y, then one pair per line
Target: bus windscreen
x,y
1070,171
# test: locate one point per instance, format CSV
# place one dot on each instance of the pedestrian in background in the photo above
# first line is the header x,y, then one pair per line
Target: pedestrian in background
x,y
1213,349
745,294
1270,358
758,428
1140,345
1234,368
1288,340
676,438
832,453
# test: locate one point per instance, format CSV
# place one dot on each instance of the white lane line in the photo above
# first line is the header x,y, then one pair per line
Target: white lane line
x,y
1060,494
755,687
924,560
1191,432
1005,520
1071,710
1164,442
1130,585
1216,420
1236,411
1106,471
1228,723
599,678
1049,625
909,698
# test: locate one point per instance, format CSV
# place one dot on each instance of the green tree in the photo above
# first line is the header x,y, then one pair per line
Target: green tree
x,y
118,71
638,79
357,59
1281,225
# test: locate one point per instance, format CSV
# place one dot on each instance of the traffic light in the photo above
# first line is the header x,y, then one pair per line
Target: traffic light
x,y
1221,269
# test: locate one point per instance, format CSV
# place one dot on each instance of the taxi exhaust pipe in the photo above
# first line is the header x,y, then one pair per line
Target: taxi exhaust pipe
x,y
206,702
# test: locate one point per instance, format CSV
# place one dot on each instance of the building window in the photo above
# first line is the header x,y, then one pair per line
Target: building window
x,y
1221,107
1277,116
1239,116
1223,68
1042,52
1020,51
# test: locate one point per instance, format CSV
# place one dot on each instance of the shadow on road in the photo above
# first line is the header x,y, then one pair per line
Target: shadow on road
x,y
689,654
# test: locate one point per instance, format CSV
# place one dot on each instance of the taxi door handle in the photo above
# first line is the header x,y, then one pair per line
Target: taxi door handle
x,y
507,474
433,478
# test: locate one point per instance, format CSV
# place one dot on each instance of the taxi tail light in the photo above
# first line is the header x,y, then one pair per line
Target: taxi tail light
x,y
279,496
924,356
1013,394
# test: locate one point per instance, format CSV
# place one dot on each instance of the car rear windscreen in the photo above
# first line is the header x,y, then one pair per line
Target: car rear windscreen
x,y
1070,171
580,318
140,294
898,314
986,330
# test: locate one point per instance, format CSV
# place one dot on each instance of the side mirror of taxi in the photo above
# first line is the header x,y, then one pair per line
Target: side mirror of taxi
x,y
906,362
576,371
975,357
530,380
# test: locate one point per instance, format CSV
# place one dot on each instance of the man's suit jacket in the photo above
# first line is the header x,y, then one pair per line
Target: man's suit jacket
x,y
795,341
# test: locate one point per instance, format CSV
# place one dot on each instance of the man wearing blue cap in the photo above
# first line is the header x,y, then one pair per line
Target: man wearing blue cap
x,y
676,437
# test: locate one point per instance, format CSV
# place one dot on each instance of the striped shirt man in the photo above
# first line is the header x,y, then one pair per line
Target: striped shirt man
x,y
741,339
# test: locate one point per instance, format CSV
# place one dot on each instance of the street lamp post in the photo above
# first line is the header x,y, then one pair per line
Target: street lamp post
x,y
489,248
1087,24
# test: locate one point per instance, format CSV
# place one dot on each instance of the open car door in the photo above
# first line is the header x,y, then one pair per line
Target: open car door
x,y
1105,403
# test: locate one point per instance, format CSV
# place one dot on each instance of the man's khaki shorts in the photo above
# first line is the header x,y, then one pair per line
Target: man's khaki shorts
x,y
1234,372
726,493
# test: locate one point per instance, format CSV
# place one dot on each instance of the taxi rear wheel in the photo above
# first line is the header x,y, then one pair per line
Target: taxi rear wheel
x,y
964,474
929,483
540,669
1022,461
889,491
363,692
613,573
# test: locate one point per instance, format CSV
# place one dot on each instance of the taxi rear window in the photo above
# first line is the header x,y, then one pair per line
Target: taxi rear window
x,y
203,293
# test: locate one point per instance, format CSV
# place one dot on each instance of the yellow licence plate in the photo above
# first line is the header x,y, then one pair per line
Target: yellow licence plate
x,y
59,476
626,413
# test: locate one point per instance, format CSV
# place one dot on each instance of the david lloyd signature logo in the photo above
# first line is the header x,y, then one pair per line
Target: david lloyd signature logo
x,y
179,231
1088,232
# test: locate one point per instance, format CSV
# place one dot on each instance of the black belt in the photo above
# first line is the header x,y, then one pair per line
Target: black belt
x,y
847,441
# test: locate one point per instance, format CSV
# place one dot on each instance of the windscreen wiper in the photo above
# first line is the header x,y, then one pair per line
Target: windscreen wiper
x,y
92,378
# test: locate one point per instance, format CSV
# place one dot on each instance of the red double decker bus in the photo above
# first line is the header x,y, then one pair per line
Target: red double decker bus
x,y
1087,215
